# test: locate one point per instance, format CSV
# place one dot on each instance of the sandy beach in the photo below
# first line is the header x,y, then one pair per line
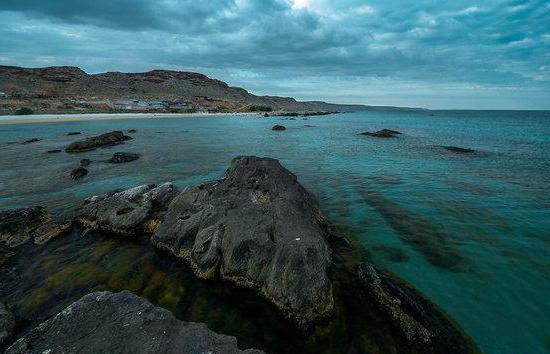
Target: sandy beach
x,y
52,118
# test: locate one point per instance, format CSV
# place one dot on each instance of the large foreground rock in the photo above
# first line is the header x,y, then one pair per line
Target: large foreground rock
x,y
422,325
104,140
105,322
17,226
124,212
7,325
257,227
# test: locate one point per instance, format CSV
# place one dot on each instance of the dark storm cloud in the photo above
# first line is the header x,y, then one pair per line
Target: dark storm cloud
x,y
461,51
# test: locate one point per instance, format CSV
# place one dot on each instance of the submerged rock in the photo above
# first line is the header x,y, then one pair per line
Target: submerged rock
x,y
384,133
53,151
122,157
105,322
124,212
74,133
257,227
7,325
33,140
85,162
278,128
422,325
17,226
131,131
79,172
104,140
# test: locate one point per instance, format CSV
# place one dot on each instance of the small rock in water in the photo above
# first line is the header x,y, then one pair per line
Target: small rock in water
x,y
131,131
79,172
53,151
74,133
458,150
278,128
121,157
384,133
104,140
33,140
85,162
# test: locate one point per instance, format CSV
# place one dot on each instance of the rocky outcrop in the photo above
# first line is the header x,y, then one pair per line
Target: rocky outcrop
x,y
79,172
100,141
18,226
105,322
257,227
384,133
278,128
421,324
125,212
7,325
122,157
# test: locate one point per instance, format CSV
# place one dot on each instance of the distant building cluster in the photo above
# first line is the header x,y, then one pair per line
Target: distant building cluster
x,y
146,105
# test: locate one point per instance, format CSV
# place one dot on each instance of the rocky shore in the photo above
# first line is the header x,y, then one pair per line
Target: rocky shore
x,y
255,228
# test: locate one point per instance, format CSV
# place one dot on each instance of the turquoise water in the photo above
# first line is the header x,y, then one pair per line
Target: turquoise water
x,y
470,232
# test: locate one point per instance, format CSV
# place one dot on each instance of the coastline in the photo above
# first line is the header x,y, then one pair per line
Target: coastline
x,y
53,118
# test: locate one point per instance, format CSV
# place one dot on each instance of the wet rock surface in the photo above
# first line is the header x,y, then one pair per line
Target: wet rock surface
x,y
124,212
100,141
278,128
384,133
105,322
257,227
122,157
18,226
7,325
421,324
78,172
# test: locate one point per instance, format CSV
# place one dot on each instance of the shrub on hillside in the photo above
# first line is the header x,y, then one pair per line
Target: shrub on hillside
x,y
23,111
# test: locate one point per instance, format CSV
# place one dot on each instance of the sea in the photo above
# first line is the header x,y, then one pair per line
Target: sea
x,y
471,231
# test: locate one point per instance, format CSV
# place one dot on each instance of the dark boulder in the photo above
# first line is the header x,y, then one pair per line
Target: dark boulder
x,y
278,128
100,141
122,157
33,140
423,326
79,172
384,133
259,228
105,322
126,212
7,325
53,151
85,162
74,133
17,226
458,150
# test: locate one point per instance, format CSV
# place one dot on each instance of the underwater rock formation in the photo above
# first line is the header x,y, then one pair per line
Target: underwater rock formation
x,y
457,150
18,226
78,172
122,157
124,212
421,324
384,133
104,140
105,322
259,228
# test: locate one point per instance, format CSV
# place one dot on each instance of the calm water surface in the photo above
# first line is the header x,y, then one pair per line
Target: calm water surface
x,y
470,232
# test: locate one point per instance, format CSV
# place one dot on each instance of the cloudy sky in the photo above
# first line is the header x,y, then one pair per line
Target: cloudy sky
x,y
492,54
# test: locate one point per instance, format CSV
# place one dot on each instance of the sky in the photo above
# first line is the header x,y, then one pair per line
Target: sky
x,y
460,54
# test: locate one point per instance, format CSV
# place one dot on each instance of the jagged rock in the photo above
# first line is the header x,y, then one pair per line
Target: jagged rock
x,y
17,226
122,157
257,227
422,325
458,150
124,212
33,140
104,140
79,172
105,322
7,325
74,133
278,127
85,162
53,151
384,133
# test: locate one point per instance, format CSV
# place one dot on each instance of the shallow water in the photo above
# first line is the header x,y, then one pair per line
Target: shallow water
x,y
470,232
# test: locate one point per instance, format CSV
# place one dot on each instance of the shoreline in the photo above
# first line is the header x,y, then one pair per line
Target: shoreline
x,y
53,118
